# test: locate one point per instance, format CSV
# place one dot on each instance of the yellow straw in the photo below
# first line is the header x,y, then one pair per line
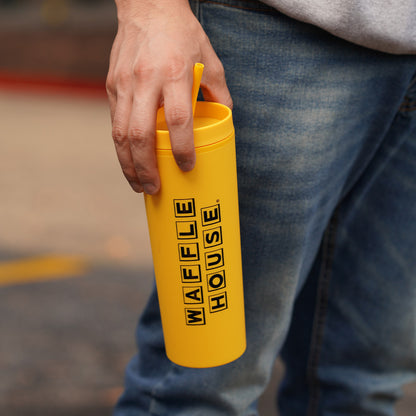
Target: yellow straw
x,y
198,69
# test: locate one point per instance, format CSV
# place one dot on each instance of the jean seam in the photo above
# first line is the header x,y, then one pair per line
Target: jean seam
x,y
408,109
320,315
408,104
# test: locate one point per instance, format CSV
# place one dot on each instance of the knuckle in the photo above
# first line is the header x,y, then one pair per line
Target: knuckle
x,y
110,85
178,116
217,69
137,133
139,136
143,72
119,134
176,69
123,79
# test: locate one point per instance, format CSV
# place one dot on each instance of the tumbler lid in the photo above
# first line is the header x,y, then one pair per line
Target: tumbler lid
x,y
212,123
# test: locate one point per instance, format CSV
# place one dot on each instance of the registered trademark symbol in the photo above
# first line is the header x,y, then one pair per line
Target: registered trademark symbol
x,y
218,200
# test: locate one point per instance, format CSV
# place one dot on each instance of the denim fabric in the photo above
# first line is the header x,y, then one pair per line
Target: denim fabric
x,y
326,153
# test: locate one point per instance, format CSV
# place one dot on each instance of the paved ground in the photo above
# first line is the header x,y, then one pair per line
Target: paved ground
x,y
68,322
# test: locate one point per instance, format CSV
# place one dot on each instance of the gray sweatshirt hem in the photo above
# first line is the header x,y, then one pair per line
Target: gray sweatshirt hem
x,y
384,25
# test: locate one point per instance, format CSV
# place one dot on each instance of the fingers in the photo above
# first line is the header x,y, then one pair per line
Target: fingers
x,y
138,84
141,139
178,113
134,129
134,112
134,108
120,133
134,96
120,93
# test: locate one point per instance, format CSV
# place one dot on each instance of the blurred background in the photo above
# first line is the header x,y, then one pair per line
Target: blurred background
x,y
75,262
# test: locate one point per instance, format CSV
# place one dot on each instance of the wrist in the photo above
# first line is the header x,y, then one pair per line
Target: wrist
x,y
142,8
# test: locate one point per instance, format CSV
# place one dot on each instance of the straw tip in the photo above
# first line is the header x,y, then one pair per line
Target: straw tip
x,y
198,69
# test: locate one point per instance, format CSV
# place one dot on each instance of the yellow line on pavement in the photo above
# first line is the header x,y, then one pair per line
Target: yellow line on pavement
x,y
42,268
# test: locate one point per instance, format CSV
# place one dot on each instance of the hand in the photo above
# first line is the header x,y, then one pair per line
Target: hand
x,y
151,65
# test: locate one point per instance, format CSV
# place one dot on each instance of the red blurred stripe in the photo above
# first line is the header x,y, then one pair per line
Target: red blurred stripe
x,y
52,84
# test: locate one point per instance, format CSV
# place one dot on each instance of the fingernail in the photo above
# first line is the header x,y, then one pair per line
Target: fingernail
x,y
186,166
149,188
136,187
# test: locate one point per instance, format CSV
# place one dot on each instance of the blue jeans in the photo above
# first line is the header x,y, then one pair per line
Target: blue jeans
x,y
326,152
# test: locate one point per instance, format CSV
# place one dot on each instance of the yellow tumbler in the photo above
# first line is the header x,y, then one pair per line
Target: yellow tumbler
x,y
195,239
